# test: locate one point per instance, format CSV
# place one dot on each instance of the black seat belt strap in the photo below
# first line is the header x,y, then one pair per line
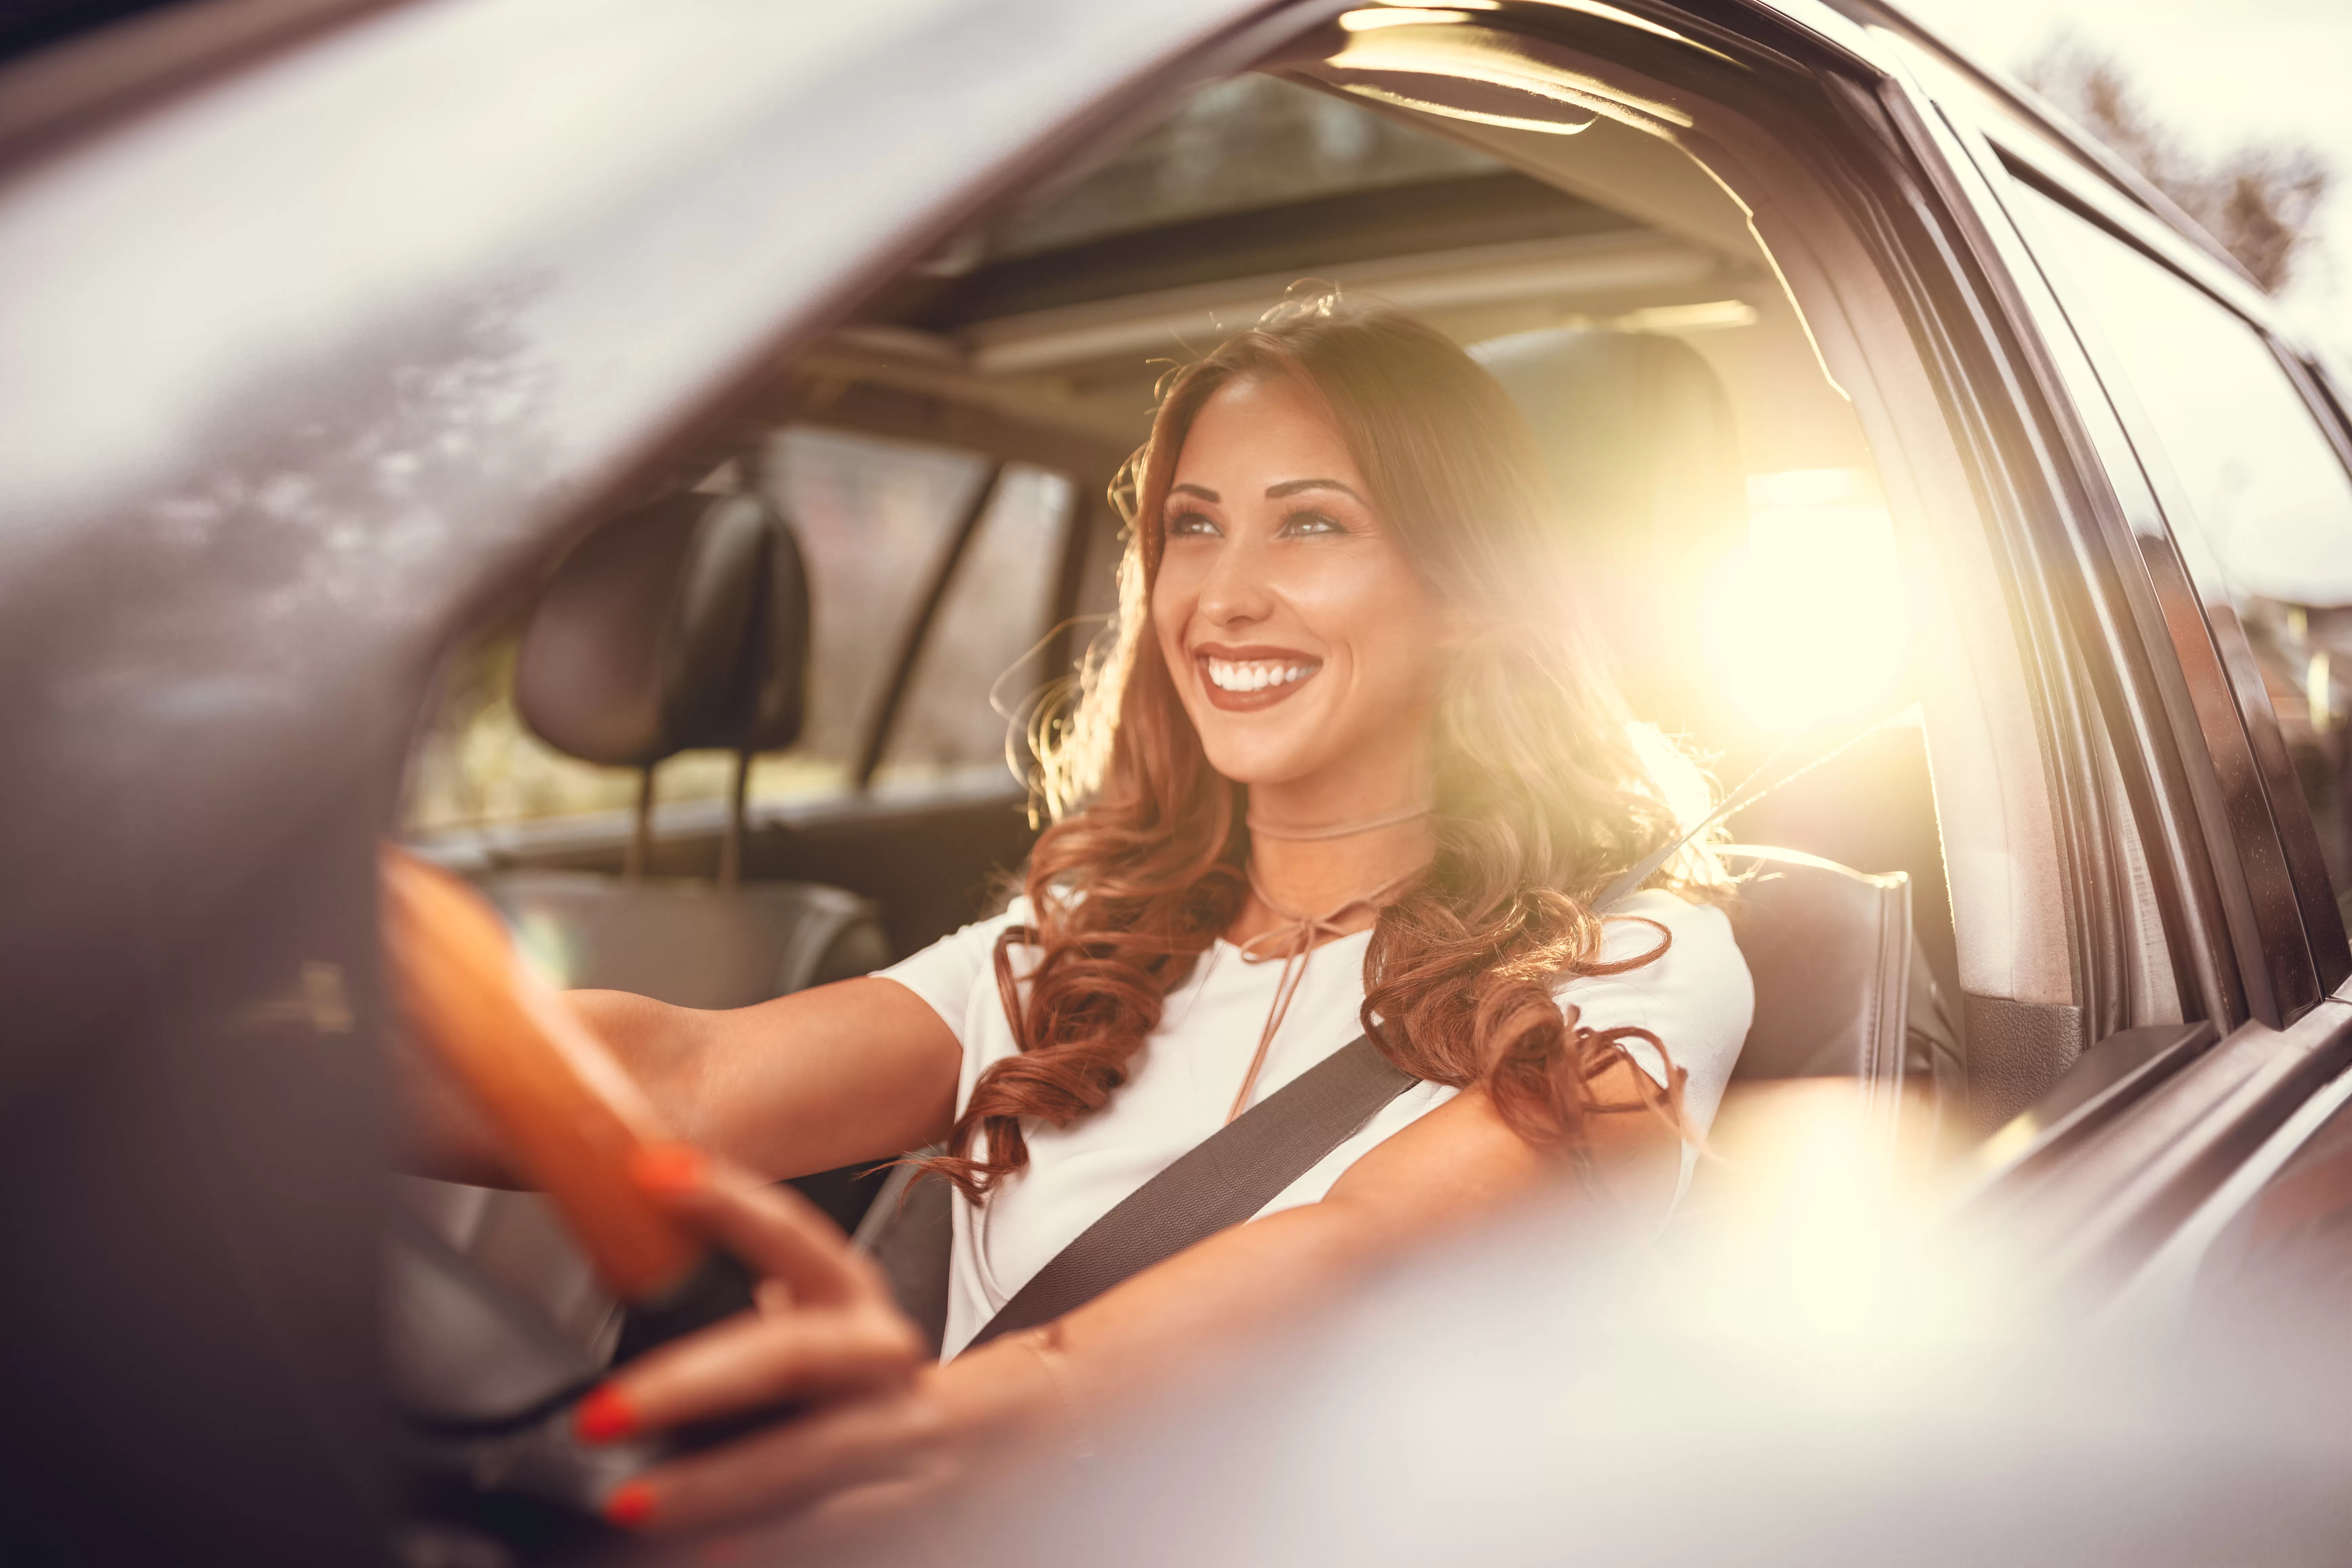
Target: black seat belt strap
x,y
1227,1177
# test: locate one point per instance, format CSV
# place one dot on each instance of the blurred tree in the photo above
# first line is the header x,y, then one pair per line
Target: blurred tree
x,y
2260,200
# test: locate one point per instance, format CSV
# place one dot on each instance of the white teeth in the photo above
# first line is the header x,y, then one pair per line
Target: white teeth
x,y
1255,675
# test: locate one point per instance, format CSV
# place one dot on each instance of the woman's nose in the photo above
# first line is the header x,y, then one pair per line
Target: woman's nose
x,y
1236,591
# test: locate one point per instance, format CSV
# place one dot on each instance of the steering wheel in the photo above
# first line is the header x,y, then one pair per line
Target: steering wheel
x,y
570,1116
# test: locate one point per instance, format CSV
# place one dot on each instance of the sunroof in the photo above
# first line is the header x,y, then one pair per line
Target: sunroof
x,y
1240,145
1252,178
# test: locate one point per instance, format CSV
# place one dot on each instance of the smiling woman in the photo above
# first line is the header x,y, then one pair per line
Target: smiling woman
x,y
1349,615
1348,719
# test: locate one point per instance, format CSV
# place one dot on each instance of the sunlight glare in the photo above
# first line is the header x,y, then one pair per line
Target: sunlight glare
x,y
1815,1243
1807,621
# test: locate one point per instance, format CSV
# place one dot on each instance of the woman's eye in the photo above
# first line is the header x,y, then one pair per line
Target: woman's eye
x,y
1310,523
1196,525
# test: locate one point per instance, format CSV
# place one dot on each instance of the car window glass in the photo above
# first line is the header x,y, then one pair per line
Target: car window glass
x,y
871,516
1239,145
2268,523
975,670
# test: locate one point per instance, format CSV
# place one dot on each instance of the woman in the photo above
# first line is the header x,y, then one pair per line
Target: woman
x,y
1347,765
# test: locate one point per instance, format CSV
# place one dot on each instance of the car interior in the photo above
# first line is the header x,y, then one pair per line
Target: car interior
x,y
765,727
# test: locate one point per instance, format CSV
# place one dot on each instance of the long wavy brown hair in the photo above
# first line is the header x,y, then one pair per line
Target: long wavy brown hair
x,y
1547,790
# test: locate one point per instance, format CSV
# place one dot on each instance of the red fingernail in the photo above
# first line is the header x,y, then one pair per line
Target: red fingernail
x,y
666,1169
604,1416
629,1505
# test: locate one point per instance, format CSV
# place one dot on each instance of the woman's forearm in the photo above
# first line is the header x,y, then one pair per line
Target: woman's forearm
x,y
1170,1324
1456,1166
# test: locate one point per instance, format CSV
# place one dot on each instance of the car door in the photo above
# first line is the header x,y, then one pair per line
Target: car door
x,y
2222,554
319,331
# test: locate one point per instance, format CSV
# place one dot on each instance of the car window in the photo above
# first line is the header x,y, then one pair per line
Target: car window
x,y
2264,514
1241,145
976,666
872,516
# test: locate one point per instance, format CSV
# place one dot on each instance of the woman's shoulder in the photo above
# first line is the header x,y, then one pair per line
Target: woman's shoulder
x,y
1698,946
973,946
1694,994
944,973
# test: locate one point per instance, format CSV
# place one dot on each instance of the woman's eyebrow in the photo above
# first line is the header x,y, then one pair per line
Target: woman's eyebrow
x,y
1200,490
1293,487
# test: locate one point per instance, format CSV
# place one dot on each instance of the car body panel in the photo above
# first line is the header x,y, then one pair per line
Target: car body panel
x,y
279,422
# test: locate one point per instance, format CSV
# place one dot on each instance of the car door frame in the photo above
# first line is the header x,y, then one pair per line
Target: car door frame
x,y
2098,1197
2306,896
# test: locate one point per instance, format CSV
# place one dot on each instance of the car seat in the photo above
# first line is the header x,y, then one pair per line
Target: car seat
x,y
1643,450
681,625
1842,987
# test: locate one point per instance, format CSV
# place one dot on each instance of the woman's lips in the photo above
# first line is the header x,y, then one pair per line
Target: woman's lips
x,y
1247,679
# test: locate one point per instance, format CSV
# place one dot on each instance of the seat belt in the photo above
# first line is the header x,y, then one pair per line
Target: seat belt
x,y
1240,1168
1227,1177
1745,794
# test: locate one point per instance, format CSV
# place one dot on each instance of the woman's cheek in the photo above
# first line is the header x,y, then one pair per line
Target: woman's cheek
x,y
1169,613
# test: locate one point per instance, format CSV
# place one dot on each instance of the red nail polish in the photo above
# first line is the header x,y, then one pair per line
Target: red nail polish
x,y
669,1169
604,1416
629,1505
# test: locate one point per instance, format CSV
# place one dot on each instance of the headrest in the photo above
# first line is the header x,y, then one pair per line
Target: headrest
x,y
1636,427
680,625
1638,433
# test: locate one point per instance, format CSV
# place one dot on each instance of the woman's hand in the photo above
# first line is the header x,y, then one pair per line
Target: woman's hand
x,y
825,1335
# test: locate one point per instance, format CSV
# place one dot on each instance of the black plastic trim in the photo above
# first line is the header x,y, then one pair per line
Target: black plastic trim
x,y
2031,472
2105,1081
2172,691
2106,1205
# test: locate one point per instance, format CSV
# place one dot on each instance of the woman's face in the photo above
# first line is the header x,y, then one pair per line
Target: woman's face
x,y
1304,646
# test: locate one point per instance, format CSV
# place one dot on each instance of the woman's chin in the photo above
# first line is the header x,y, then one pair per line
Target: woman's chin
x,y
1259,764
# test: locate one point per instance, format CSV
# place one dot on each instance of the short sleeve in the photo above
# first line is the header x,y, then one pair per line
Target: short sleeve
x,y
1697,997
944,973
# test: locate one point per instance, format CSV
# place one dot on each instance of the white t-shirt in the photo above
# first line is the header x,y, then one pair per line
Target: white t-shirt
x,y
1181,1080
